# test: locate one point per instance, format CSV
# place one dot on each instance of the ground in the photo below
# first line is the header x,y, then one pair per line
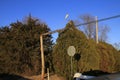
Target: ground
x,y
22,77
52,77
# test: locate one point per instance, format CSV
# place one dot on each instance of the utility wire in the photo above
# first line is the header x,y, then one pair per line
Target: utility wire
x,y
100,20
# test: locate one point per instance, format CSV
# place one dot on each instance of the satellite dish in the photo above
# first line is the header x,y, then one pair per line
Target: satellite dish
x,y
67,15
71,51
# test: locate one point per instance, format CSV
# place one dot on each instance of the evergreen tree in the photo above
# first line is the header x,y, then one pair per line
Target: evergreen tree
x,y
117,61
107,56
71,36
20,46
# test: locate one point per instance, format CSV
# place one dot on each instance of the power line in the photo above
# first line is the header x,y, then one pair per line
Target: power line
x,y
100,20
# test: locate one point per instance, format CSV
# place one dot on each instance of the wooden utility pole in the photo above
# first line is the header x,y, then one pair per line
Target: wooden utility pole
x,y
42,57
96,30
42,51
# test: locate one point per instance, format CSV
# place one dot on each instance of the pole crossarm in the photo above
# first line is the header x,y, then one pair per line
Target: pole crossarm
x,y
42,50
59,30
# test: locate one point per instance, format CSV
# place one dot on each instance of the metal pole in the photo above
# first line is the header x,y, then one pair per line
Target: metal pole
x,y
42,57
96,30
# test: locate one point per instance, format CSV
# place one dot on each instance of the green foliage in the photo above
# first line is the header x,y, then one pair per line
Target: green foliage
x,y
89,57
20,50
117,61
72,36
101,56
20,47
107,60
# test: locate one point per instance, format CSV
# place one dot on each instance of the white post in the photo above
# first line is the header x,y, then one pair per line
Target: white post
x,y
96,30
48,73
71,68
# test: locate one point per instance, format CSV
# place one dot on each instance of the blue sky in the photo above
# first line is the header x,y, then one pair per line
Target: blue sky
x,y
52,12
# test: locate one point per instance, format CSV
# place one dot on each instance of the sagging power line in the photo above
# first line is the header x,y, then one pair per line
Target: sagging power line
x,y
100,20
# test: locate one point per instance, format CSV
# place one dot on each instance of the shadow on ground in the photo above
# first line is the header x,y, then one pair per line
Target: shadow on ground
x,y
95,73
5,76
